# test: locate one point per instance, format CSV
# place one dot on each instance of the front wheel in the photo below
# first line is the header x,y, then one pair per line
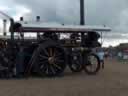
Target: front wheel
x,y
76,62
92,64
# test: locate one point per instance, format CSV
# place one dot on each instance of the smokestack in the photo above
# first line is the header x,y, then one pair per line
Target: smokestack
x,y
21,19
4,27
38,20
82,22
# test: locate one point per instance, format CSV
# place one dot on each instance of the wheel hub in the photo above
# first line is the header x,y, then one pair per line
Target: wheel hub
x,y
51,60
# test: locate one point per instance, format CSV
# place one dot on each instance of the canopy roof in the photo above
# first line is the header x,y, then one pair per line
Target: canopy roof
x,y
43,27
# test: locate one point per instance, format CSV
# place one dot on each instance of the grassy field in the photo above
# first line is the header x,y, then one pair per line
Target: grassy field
x,y
112,81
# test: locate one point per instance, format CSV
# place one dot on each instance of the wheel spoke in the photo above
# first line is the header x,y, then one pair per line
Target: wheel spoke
x,y
43,62
47,69
51,52
42,66
43,69
43,57
58,67
45,52
52,70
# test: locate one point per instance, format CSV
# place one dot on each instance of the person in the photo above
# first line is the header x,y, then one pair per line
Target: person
x,y
100,54
120,55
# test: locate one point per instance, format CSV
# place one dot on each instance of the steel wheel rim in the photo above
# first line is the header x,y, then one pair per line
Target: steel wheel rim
x,y
93,63
52,61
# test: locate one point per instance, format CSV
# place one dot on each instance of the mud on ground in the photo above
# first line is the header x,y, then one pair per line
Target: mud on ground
x,y
112,81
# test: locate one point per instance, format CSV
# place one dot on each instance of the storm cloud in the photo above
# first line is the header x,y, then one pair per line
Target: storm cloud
x,y
97,12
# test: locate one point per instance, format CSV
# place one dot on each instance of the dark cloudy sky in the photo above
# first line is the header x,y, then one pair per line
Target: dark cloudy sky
x,y
112,13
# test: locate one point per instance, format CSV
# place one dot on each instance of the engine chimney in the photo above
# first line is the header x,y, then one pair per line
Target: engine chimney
x,y
82,22
21,19
38,20
4,27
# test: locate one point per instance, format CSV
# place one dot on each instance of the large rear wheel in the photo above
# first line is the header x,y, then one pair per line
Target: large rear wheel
x,y
51,60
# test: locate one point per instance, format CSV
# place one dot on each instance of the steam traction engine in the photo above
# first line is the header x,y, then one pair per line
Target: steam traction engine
x,y
49,54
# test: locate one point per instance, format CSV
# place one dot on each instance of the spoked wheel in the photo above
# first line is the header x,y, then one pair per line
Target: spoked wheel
x,y
76,62
5,66
92,65
51,61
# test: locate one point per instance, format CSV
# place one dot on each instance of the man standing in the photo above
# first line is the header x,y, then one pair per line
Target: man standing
x,y
100,54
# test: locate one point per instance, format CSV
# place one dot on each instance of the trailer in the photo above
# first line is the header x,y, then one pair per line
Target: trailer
x,y
48,54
